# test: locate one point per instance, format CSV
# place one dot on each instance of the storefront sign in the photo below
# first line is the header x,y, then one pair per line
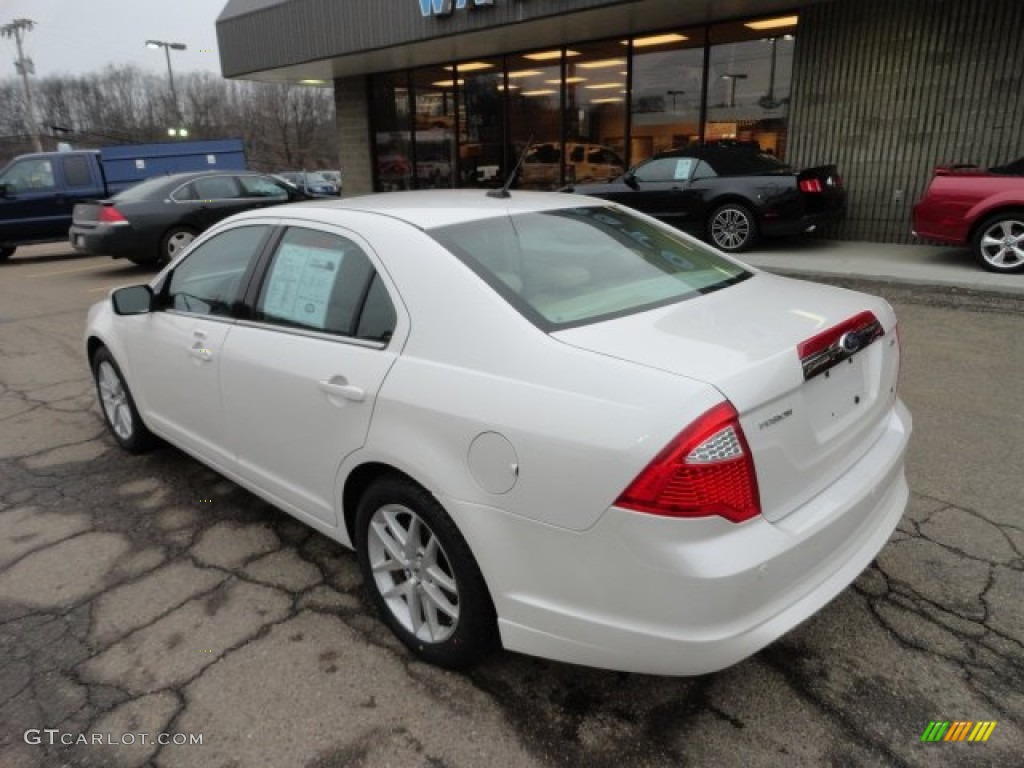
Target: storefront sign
x,y
445,7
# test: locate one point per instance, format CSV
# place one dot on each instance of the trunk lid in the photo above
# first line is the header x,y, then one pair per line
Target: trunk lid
x,y
806,421
87,213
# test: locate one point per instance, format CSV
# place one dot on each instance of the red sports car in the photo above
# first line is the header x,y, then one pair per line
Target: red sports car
x,y
982,208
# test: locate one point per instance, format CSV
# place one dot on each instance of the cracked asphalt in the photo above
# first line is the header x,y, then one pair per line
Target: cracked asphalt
x,y
150,595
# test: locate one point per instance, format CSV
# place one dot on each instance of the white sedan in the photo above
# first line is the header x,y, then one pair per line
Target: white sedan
x,y
540,420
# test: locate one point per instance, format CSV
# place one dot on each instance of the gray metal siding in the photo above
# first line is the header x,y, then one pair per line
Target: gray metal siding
x,y
888,90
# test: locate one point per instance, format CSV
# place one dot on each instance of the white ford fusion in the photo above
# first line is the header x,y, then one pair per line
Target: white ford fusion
x,y
543,420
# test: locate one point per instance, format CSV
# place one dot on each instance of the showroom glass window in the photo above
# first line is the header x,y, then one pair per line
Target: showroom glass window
x,y
749,83
393,134
668,83
535,115
434,101
595,112
208,281
481,125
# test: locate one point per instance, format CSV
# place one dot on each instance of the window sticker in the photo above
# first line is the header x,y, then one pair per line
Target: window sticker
x,y
301,284
683,166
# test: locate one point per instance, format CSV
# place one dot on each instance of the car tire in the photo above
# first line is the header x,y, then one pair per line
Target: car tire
x,y
427,585
6,251
998,244
174,241
118,406
732,228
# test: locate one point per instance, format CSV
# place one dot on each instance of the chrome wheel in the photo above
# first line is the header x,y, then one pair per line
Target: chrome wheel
x,y
412,573
732,228
115,401
1001,245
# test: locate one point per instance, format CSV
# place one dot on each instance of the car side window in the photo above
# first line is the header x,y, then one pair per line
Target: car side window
x,y
209,279
377,319
30,175
261,186
76,171
324,282
704,171
216,188
663,169
185,193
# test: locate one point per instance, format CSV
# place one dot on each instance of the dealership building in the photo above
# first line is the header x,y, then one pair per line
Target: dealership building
x,y
449,93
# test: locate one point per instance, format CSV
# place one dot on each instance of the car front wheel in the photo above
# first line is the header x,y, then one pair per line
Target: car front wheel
x,y
176,240
999,242
422,576
118,406
732,228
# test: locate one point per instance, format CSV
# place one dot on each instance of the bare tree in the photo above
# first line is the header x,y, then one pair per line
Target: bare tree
x,y
282,126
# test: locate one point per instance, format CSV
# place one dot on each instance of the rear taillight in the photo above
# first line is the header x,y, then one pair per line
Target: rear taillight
x,y
810,185
110,215
706,470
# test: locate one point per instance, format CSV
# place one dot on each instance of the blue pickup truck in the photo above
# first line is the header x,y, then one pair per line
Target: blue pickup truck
x,y
38,192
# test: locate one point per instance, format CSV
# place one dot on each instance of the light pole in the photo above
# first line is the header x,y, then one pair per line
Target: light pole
x,y
25,68
732,78
170,72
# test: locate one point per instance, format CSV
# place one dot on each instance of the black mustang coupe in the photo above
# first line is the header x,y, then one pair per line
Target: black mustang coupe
x,y
729,195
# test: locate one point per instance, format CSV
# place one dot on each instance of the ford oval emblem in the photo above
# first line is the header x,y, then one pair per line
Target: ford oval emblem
x,y
849,342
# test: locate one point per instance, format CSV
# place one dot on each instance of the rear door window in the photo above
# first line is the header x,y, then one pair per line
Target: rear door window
x,y
216,188
76,171
324,282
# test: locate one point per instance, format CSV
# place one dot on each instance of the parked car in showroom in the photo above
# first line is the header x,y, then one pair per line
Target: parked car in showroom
x,y
542,420
729,195
155,220
543,163
967,205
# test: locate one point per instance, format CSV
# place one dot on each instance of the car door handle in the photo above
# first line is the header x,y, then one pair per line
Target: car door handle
x,y
201,352
339,387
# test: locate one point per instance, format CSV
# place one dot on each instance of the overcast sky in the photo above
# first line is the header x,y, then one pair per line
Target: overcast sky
x,y
80,36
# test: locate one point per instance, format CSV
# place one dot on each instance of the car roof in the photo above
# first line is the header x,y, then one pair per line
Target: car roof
x,y
427,209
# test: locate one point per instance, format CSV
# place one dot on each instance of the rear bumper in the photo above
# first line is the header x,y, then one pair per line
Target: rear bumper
x,y
809,222
655,595
116,241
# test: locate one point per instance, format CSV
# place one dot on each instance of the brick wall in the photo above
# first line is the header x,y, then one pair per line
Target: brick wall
x,y
353,121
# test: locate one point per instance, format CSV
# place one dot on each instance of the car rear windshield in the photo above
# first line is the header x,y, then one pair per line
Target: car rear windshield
x,y
575,266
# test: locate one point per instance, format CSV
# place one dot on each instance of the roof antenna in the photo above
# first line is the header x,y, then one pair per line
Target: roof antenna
x,y
503,192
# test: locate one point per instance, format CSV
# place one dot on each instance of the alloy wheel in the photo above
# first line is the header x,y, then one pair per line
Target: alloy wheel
x,y
115,401
1002,244
412,573
730,228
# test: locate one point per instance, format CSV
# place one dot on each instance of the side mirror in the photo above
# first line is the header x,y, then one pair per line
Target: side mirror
x,y
133,300
630,181
7,190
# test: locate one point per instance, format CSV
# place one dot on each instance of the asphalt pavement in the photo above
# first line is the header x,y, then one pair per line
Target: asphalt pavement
x,y
146,597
